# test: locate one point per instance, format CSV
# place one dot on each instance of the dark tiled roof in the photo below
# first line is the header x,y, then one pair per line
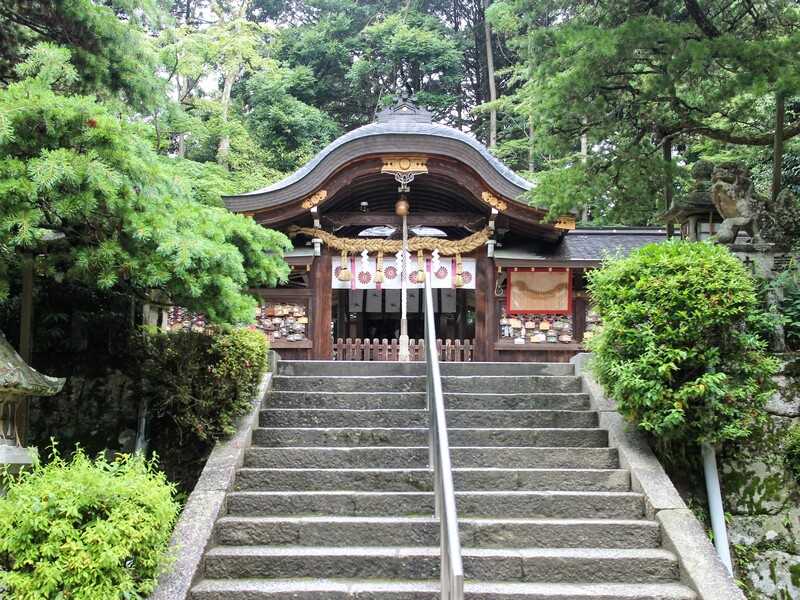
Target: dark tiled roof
x,y
397,130
434,130
584,246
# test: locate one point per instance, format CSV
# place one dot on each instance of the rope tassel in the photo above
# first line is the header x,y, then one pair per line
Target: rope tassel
x,y
459,272
420,267
344,272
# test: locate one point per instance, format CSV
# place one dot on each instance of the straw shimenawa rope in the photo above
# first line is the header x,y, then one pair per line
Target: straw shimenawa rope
x,y
415,244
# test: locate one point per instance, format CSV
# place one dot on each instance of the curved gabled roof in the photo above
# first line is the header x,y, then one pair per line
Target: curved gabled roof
x,y
401,129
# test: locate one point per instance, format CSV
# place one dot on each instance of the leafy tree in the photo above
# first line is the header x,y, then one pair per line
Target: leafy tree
x,y
323,36
208,182
236,45
680,349
412,52
289,130
109,43
339,41
253,122
126,218
644,80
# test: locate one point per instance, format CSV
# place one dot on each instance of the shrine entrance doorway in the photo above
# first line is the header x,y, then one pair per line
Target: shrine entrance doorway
x,y
370,314
366,305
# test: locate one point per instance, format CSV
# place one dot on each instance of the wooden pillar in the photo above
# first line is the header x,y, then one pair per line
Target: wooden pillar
x,y
322,304
485,309
341,313
25,339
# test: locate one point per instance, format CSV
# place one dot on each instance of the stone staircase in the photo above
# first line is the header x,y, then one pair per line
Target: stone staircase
x,y
335,499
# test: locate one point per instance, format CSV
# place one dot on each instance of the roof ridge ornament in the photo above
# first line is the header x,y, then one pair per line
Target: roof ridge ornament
x,y
405,108
404,169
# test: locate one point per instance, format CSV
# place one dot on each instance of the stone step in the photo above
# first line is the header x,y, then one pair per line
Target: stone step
x,y
310,417
424,531
345,400
417,436
523,401
511,384
417,456
416,383
552,565
349,368
506,504
336,383
506,368
421,479
364,589
365,368
380,400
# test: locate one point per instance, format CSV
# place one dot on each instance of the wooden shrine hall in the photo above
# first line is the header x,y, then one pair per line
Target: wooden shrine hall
x,y
507,285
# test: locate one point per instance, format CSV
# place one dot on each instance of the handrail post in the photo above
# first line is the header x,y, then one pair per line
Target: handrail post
x,y
451,567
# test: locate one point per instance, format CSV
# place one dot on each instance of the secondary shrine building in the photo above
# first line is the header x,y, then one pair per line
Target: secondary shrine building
x,y
507,285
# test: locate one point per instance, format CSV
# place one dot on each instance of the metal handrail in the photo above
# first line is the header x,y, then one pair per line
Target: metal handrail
x,y
452,570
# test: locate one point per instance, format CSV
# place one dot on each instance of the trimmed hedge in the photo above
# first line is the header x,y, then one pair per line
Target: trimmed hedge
x,y
681,350
85,530
202,381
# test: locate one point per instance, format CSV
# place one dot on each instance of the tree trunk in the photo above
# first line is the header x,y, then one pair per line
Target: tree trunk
x,y
667,155
181,137
777,154
227,87
225,140
459,86
531,164
487,30
585,215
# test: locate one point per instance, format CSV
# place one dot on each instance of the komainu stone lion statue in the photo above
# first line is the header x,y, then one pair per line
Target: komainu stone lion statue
x,y
736,201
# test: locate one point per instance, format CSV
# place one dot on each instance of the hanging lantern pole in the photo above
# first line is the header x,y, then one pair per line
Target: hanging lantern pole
x,y
401,209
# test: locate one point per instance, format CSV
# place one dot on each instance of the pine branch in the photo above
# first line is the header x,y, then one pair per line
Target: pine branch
x,y
700,18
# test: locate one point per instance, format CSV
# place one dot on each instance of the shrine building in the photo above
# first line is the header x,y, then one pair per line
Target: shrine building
x,y
507,285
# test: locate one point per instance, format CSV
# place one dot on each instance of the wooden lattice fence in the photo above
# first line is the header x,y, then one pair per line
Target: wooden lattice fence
x,y
389,350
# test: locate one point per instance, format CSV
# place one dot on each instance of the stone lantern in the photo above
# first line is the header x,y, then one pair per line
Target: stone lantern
x,y
694,211
18,380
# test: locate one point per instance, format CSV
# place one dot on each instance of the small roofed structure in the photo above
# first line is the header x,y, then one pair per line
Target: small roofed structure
x,y
18,381
508,284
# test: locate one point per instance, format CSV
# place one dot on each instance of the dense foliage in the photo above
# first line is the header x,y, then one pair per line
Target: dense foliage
x,y
200,381
605,104
698,79
680,350
109,43
125,218
361,53
84,529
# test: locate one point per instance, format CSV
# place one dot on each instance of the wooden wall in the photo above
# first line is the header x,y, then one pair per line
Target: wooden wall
x,y
488,346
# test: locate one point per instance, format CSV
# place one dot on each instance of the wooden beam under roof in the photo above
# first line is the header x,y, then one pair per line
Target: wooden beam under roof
x,y
429,219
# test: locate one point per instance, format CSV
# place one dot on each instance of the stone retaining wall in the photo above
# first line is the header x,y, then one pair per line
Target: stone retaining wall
x,y
763,500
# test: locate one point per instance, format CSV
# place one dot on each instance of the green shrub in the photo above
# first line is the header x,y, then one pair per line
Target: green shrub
x,y
85,530
679,349
792,450
202,381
